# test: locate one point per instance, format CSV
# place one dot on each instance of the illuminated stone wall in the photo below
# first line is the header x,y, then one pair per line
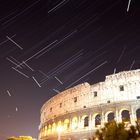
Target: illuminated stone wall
x,y
84,108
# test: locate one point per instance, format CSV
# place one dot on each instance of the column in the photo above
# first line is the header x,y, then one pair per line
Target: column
x,y
105,118
117,116
93,122
102,119
70,127
132,116
79,123
90,122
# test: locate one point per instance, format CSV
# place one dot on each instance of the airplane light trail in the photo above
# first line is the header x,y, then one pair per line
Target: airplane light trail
x,y
129,1
87,73
14,42
36,81
8,92
20,72
58,80
27,66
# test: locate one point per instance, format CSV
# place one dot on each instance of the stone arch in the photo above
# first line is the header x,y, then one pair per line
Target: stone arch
x,y
125,115
54,127
97,118
109,116
138,114
74,123
66,124
85,121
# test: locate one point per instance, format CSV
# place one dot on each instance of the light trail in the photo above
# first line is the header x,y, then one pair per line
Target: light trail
x,y
36,81
27,66
87,73
121,55
9,93
132,64
59,80
20,72
37,53
13,62
7,39
14,42
129,1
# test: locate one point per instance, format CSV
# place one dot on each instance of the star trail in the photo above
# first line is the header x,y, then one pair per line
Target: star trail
x,y
48,46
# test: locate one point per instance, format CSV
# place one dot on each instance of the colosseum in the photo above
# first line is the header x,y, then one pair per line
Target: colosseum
x,y
76,113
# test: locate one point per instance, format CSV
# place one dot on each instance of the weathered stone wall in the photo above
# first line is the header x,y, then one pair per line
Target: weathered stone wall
x,y
118,92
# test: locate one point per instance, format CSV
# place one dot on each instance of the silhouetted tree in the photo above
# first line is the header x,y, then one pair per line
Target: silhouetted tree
x,y
114,131
21,138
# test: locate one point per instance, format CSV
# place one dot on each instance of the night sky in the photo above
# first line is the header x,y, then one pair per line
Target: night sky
x,y
47,46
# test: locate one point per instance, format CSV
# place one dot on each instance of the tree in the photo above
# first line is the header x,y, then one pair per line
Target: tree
x,y
114,131
21,138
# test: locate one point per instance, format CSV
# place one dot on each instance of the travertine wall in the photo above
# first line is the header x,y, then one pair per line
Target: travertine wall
x,y
120,88
52,108
108,91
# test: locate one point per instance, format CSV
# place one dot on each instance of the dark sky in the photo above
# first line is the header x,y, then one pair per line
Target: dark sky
x,y
59,44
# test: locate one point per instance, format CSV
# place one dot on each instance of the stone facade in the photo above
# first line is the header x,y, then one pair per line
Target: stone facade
x,y
76,113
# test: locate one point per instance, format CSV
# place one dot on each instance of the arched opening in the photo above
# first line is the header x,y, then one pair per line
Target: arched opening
x,y
53,128
66,124
86,121
110,117
138,115
75,123
59,127
97,120
125,116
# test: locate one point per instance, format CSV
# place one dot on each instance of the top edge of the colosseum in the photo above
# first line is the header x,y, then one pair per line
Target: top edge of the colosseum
x,y
122,73
86,84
